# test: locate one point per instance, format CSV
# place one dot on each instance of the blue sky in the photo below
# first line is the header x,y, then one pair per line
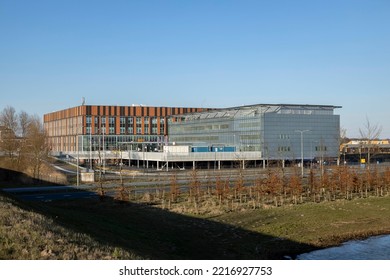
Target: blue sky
x,y
198,53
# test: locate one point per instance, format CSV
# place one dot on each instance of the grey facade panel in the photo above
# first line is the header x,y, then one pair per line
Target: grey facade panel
x,y
282,136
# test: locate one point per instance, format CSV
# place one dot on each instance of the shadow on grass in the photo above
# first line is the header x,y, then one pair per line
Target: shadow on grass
x,y
153,233
12,178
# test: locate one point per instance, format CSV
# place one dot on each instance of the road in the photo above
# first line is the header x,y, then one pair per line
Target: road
x,y
49,193
140,183
54,193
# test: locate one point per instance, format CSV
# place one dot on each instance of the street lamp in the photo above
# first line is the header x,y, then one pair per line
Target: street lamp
x,y
78,146
301,132
90,146
78,156
103,131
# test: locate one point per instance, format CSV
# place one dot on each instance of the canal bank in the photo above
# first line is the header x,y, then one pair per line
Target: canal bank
x,y
266,233
373,248
320,225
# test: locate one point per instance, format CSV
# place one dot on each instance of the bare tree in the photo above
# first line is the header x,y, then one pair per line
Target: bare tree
x,y
343,140
24,140
9,121
343,135
36,147
369,133
24,121
8,142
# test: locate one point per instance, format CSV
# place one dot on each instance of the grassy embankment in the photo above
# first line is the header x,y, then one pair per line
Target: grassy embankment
x,y
26,234
108,229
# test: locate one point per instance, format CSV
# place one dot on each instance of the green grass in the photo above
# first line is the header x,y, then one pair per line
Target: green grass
x,y
143,231
318,224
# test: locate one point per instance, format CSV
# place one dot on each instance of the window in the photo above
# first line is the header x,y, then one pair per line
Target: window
x,y
162,125
146,125
89,120
138,121
154,125
284,149
321,148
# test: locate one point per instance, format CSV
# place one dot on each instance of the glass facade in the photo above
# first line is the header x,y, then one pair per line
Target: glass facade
x,y
274,130
116,142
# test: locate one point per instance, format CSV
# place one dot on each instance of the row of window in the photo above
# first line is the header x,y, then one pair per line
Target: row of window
x,y
288,149
200,128
124,130
112,142
127,125
125,120
284,149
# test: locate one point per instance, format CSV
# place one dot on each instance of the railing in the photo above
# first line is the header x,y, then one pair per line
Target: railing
x,y
207,156
168,156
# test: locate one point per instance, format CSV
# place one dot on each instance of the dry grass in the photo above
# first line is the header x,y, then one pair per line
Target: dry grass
x,y
32,236
13,174
111,230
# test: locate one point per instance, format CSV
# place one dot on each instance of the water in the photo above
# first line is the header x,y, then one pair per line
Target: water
x,y
374,248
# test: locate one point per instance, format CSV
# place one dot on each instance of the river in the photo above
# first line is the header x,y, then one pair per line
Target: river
x,y
373,248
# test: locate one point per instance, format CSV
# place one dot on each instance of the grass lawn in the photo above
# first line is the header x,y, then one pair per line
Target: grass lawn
x,y
318,224
142,231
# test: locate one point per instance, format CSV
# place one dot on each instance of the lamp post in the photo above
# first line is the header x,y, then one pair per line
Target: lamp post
x,y
301,132
103,130
78,147
90,147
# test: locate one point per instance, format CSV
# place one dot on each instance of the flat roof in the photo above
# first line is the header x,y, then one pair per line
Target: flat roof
x,y
282,105
224,112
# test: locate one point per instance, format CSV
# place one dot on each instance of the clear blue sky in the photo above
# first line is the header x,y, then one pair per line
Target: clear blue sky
x,y
210,53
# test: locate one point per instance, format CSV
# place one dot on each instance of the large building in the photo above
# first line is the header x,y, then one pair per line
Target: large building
x,y
94,125
277,131
162,137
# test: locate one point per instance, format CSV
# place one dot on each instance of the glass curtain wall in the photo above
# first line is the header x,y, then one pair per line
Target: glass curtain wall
x,y
244,133
274,130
